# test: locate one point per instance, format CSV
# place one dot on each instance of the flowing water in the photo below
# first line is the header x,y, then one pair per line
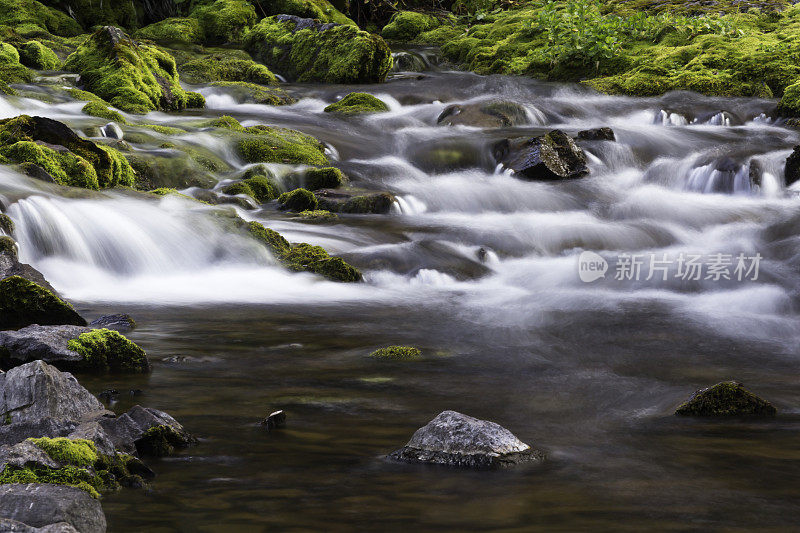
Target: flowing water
x,y
480,270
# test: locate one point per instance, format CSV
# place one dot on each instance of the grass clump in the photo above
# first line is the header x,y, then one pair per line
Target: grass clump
x,y
105,349
397,353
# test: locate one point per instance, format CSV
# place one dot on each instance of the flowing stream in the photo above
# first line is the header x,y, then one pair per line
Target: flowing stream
x,y
480,270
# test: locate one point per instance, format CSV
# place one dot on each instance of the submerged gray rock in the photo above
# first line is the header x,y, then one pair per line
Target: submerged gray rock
x,y
44,505
455,439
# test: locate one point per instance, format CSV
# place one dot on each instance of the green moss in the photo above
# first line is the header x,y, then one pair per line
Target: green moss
x,y
11,70
7,245
321,10
223,67
357,103
298,200
6,224
265,144
407,25
135,78
105,349
789,105
304,257
93,13
259,187
69,475
20,14
341,54
257,94
78,452
373,203
397,353
324,178
195,100
36,55
160,441
441,35
66,168
225,20
80,94
318,214
96,109
23,303
728,398
173,30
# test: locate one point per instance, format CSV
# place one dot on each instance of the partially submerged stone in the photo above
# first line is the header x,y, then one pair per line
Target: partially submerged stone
x,y
23,302
597,134
728,398
791,171
354,201
304,50
131,76
455,439
493,114
357,104
298,200
553,156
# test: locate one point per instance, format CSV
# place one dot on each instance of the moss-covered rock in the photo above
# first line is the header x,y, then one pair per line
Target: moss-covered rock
x,y
323,178
96,109
92,13
78,452
223,67
397,353
356,104
173,169
304,257
133,77
107,350
298,200
303,50
6,224
11,70
8,245
407,25
161,441
318,215
225,20
68,158
34,54
21,14
185,30
354,201
261,188
789,105
728,398
23,302
247,92
321,10
266,144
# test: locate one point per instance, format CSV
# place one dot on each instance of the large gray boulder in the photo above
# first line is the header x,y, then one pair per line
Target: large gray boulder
x,y
41,505
553,156
455,439
146,431
48,343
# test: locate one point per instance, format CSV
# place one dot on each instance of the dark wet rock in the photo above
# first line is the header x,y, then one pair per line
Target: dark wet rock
x,y
108,395
495,114
755,173
23,302
48,343
792,170
276,420
455,439
728,398
32,170
10,266
146,431
354,201
597,134
40,505
553,156
120,322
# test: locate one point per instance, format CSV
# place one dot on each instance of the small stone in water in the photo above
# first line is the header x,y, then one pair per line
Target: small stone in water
x,y
276,420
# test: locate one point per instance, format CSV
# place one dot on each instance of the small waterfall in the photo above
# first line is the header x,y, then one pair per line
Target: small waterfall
x,y
668,118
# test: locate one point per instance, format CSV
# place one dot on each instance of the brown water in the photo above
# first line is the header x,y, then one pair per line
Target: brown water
x,y
590,373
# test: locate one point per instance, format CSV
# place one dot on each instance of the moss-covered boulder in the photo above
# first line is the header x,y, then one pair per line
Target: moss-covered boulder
x,y
96,109
321,10
11,70
260,187
36,55
356,104
789,106
92,13
304,257
728,398
6,224
186,30
407,25
133,77
225,20
397,353
323,178
60,152
304,50
23,302
223,67
107,350
30,14
298,200
354,201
